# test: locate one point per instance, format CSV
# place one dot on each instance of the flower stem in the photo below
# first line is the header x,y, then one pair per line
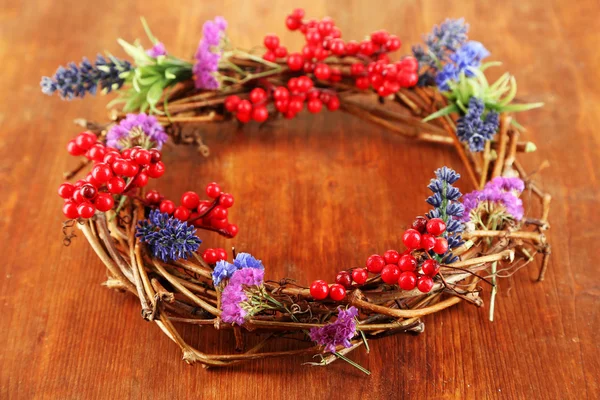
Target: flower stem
x,y
349,361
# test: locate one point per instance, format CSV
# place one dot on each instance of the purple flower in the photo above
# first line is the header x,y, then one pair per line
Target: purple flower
x,y
338,332
209,53
463,60
127,132
500,190
225,270
157,50
234,295
474,129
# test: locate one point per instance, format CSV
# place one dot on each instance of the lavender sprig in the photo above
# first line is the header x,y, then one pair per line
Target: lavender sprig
x,y
473,128
75,81
167,237
447,207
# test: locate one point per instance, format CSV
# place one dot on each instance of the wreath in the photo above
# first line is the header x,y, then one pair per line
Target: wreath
x,y
150,244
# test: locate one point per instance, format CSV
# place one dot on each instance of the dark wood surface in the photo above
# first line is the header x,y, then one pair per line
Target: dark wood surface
x,y
313,196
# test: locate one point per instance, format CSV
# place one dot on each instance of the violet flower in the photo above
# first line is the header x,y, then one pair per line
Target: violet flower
x,y
473,128
234,298
501,191
224,270
209,53
157,50
338,332
463,60
137,129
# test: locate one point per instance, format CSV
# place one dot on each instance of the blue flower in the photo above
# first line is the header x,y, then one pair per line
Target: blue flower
x,y
167,237
466,58
245,260
224,269
78,80
444,40
446,206
472,129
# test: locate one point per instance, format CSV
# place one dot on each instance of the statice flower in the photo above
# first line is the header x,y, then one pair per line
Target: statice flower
x,y
338,332
209,53
137,129
75,81
235,297
499,191
447,207
466,58
473,128
224,270
157,50
167,237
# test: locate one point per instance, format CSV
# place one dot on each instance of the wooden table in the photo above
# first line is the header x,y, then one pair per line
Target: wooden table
x,y
313,197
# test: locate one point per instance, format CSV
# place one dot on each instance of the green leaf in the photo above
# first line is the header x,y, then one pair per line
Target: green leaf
x,y
154,94
449,109
511,94
136,52
489,64
519,107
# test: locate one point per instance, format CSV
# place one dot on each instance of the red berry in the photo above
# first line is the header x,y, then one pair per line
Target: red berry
x,y
375,263
213,190
260,114
232,102
390,274
357,69
232,229
292,23
367,48
430,267
218,212
115,185
190,200
427,242
86,210
360,275
425,284
156,170
96,152
314,105
167,206
420,224
257,95
322,71
221,254
280,52
436,226
143,157
281,93
391,257
295,61
73,149
393,43
226,200
295,105
269,56
271,42
181,213
344,278
441,245
104,202
411,239
141,179
337,47
66,190
313,36
407,263
110,157
407,280
88,191
85,140
333,103
409,64
131,169
352,47
219,223
70,209
102,172
319,290
204,206
337,292
153,197
298,13
304,84
243,117
320,54
210,256
362,83
244,107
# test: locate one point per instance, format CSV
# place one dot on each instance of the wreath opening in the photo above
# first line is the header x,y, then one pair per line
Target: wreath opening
x,y
150,244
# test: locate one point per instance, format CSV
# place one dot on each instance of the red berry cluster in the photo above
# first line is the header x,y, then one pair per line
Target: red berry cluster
x,y
395,268
114,172
211,256
287,100
386,78
205,214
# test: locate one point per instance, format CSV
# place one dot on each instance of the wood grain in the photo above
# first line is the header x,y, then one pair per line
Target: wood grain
x,y
313,196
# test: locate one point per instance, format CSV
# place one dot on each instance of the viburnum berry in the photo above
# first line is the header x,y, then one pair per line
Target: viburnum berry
x,y
425,283
70,209
314,105
218,212
292,23
260,114
96,153
86,210
232,102
102,172
375,263
333,104
436,226
411,239
153,197
143,157
420,224
280,52
295,61
221,254
407,263
73,149
430,267
257,95
391,257
213,190
116,185
360,275
167,206
427,242
210,256
390,274
319,290
181,213
407,280
190,200
141,179
232,230
85,140
322,71
66,190
337,292
344,278
226,200
219,223
441,245
88,191
271,42
104,202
